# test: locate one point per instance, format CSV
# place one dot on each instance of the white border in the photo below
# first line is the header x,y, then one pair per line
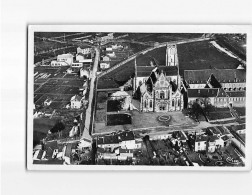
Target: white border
x,y
136,28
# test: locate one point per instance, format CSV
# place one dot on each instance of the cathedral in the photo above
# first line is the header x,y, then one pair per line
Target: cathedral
x,y
160,86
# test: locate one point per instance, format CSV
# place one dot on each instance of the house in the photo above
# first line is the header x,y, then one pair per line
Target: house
x,y
124,154
125,140
48,102
208,143
112,55
84,73
116,46
214,96
160,94
67,58
109,49
229,79
104,65
80,57
105,59
84,51
76,102
107,141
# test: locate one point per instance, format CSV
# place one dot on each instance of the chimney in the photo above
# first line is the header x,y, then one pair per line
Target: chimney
x,y
121,88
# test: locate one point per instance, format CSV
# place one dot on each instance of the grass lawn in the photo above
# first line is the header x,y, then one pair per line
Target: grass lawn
x,y
219,115
240,110
203,55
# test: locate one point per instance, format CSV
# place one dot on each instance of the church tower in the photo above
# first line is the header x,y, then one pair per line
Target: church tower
x,y
171,55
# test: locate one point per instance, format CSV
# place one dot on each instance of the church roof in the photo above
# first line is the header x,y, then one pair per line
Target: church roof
x,y
145,71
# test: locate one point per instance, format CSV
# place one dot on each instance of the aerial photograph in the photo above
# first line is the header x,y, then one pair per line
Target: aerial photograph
x,y
139,99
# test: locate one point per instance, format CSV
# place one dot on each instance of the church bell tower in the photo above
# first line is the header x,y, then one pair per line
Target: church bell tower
x,y
171,55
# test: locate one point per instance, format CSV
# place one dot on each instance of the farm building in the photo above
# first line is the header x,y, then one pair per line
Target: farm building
x,y
76,101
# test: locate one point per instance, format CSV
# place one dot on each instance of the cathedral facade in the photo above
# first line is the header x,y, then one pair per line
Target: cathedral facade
x,y
160,97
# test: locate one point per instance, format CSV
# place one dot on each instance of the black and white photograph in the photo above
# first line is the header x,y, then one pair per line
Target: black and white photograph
x,y
140,99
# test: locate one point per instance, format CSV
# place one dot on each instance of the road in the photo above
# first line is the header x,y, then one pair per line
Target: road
x,y
89,115
150,49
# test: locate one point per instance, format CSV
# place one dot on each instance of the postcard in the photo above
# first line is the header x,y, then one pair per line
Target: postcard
x,y
138,97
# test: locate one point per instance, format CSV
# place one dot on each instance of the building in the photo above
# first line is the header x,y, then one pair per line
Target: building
x,y
229,79
237,98
144,72
76,101
67,58
57,63
214,96
160,94
84,51
105,59
124,140
104,65
76,64
209,143
84,73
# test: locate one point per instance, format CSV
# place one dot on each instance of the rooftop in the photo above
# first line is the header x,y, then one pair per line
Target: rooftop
x,y
222,75
236,93
145,71
202,92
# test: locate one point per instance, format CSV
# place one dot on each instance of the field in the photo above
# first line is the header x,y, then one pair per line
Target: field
x,y
203,55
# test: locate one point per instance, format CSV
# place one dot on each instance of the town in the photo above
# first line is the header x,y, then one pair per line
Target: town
x,y
155,99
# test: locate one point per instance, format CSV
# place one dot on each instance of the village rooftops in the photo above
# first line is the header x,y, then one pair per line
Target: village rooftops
x,y
222,75
116,138
223,130
179,135
206,92
236,93
107,139
213,131
201,138
145,71
225,138
237,127
126,136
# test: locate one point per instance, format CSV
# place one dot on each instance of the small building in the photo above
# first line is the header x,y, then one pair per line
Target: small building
x,y
67,58
111,55
109,49
104,65
76,102
84,51
208,143
84,73
105,59
57,63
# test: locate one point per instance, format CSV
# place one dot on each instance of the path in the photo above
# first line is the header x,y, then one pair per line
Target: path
x,y
89,115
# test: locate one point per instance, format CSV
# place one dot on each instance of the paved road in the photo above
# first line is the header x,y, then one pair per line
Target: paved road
x,y
89,116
